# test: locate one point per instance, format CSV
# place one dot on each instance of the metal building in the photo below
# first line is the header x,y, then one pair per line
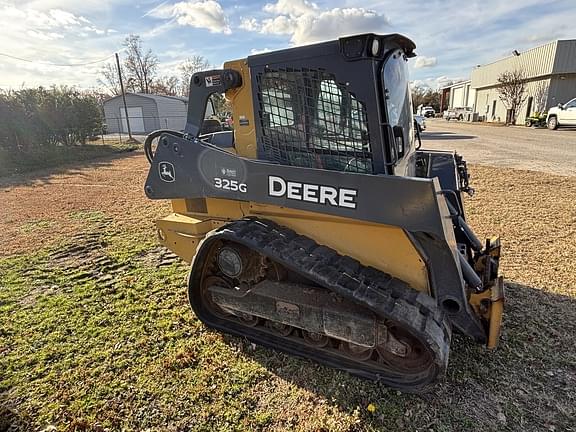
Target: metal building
x,y
551,73
460,95
146,113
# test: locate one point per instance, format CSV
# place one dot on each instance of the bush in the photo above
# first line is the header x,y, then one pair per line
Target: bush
x,y
37,119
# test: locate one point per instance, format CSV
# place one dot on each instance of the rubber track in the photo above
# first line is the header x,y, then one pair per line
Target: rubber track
x,y
388,297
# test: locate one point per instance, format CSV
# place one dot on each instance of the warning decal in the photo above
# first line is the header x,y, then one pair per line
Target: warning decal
x,y
212,80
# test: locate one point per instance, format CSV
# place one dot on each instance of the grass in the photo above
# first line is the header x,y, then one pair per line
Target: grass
x,y
96,334
114,346
18,163
35,225
88,215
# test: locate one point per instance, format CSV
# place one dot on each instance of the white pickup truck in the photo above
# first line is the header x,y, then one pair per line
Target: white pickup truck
x,y
562,115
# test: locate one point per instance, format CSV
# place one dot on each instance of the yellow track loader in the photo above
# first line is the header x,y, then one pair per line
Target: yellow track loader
x,y
318,226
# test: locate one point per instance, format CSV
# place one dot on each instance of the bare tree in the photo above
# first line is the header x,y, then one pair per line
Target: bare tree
x,y
426,96
109,79
188,68
541,96
166,85
140,65
512,91
221,104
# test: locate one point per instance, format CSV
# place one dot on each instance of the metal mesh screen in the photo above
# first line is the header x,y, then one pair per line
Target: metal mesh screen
x,y
308,119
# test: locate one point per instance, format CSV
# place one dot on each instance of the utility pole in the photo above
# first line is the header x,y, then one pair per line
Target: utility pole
x,y
123,98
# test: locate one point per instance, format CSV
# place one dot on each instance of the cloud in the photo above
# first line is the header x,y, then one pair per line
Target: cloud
x,y
44,34
249,24
255,51
305,22
47,25
292,8
435,83
425,62
279,25
206,14
337,22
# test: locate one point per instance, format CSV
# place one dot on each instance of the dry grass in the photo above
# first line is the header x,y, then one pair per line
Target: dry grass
x,y
56,203
104,340
535,215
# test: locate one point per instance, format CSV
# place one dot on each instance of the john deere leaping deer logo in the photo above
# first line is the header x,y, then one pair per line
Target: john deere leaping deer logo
x,y
167,172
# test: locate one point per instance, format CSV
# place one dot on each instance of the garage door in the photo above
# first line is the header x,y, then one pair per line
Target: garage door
x,y
458,98
136,119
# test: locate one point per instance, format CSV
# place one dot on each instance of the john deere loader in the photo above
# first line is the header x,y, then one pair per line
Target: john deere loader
x,y
318,227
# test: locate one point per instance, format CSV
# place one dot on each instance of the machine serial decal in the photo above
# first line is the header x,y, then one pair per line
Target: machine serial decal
x,y
314,193
231,185
167,172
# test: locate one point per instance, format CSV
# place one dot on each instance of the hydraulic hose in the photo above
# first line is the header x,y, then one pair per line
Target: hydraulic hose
x,y
152,136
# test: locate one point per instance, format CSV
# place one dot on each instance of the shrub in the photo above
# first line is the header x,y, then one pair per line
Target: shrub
x,y
32,119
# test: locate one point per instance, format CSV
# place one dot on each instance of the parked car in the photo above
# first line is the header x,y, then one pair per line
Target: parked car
x,y
460,113
420,122
428,111
562,115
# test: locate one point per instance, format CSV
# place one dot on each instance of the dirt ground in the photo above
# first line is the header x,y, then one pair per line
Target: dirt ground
x,y
535,213
518,147
526,385
42,208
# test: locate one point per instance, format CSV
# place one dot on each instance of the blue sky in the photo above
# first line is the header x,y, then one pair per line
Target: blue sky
x,y
452,36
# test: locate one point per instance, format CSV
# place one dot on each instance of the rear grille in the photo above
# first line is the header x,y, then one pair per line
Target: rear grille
x,y
308,119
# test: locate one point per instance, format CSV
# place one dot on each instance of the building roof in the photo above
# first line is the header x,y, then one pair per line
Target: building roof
x,y
555,57
456,84
152,96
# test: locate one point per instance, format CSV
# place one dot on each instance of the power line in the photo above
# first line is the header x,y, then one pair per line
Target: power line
x,y
56,64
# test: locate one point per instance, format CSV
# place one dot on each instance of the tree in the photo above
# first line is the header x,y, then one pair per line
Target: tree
x,y
140,65
512,91
109,79
221,104
426,97
541,97
188,68
166,85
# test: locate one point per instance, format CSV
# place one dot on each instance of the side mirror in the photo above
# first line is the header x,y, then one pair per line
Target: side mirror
x,y
560,106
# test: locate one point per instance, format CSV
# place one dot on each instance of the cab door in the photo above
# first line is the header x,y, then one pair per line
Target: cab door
x,y
569,112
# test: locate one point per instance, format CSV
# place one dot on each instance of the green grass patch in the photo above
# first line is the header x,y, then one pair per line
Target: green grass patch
x,y
89,216
35,225
105,340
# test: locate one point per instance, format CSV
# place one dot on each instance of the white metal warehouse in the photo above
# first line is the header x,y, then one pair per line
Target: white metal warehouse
x,y
146,113
550,70
551,73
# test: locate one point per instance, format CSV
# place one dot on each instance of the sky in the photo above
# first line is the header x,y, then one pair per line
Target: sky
x,y
451,36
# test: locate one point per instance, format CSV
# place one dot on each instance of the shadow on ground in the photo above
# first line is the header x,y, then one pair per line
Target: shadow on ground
x,y
445,136
43,175
526,384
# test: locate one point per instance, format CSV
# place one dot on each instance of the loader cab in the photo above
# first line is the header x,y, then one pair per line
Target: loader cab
x,y
342,105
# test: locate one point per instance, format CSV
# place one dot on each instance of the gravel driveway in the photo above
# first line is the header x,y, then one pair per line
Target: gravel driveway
x,y
512,147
